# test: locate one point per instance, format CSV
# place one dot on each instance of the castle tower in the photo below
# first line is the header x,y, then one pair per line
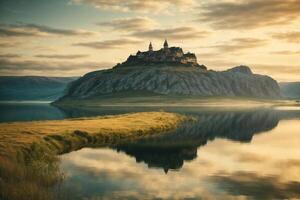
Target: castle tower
x,y
150,47
166,46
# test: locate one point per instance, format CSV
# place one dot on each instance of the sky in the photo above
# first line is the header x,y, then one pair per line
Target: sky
x,y
73,37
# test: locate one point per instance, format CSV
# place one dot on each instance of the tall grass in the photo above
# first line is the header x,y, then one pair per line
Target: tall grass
x,y
32,180
29,166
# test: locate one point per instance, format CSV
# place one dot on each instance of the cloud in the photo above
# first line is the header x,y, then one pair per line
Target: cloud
x,y
249,14
129,24
240,44
286,53
292,37
257,187
9,44
178,33
10,55
55,68
109,44
284,72
280,69
137,5
58,56
34,30
247,157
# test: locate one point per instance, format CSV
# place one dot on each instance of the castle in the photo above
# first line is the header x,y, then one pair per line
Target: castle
x,y
165,56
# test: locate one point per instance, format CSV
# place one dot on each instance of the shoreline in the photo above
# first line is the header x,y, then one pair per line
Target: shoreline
x,y
157,101
29,163
66,134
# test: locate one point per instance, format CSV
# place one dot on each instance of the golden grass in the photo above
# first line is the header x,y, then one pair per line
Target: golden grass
x,y
19,135
28,165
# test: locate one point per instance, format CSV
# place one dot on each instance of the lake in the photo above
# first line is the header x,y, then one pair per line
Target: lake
x,y
226,154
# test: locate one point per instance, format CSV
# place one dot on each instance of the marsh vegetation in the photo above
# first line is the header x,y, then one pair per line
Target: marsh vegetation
x,y
28,162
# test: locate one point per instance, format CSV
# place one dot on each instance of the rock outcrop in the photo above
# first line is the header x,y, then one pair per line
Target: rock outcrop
x,y
169,71
239,81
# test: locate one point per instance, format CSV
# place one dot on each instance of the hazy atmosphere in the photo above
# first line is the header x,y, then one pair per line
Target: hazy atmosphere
x,y
149,99
73,37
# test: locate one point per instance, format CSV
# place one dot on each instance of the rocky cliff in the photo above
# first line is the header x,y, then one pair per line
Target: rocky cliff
x,y
238,81
170,71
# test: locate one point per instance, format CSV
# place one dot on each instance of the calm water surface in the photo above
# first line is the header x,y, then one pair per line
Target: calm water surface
x,y
226,154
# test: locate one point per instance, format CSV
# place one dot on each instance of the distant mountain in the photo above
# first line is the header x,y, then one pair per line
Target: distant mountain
x,y
170,71
21,88
290,89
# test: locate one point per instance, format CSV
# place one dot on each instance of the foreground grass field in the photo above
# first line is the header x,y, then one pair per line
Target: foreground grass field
x,y
28,162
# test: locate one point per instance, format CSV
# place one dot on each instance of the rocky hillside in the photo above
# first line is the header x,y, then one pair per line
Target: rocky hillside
x,y
190,81
20,88
170,71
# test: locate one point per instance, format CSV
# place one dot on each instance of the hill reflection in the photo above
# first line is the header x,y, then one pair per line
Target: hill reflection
x,y
171,150
253,154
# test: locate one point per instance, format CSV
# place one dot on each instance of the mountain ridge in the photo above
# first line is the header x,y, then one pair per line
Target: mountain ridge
x,y
290,90
22,88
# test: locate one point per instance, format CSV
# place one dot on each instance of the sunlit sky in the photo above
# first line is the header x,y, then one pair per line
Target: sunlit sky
x,y
73,37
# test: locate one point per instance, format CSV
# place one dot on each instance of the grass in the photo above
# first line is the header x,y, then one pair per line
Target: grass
x,y
28,162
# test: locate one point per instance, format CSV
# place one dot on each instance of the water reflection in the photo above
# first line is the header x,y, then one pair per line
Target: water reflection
x,y
169,151
252,154
29,111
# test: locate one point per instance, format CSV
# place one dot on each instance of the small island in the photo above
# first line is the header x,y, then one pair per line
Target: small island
x,y
166,76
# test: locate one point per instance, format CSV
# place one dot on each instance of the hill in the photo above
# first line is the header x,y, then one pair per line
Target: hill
x,y
22,88
170,71
290,89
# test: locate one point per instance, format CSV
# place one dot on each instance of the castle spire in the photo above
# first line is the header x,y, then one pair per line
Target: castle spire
x,y
150,47
166,46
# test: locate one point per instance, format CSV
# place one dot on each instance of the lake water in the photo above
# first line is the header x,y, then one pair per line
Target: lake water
x,y
226,154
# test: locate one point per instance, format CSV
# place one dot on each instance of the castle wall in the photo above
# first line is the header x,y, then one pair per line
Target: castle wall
x,y
172,55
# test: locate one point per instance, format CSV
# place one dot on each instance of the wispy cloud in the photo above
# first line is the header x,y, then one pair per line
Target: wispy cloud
x,y
286,53
58,56
256,186
292,36
10,55
178,33
129,24
34,30
249,14
137,5
278,69
58,68
9,43
240,44
109,44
